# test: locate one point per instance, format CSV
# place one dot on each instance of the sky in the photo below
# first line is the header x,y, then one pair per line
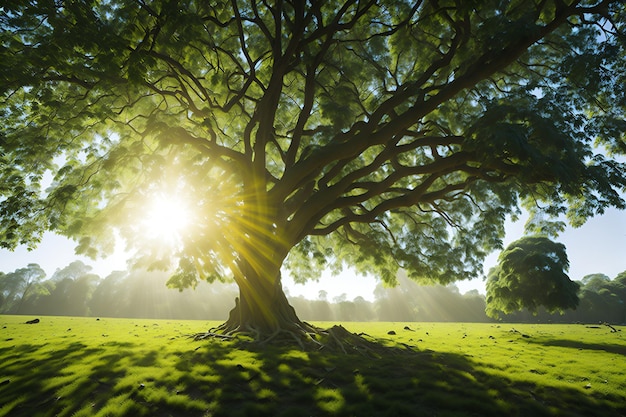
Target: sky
x,y
599,246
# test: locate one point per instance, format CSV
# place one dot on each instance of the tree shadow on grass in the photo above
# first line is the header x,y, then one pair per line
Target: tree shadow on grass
x,y
606,347
40,380
213,378
283,382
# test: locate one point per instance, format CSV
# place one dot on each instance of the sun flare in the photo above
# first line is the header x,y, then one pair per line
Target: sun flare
x,y
166,219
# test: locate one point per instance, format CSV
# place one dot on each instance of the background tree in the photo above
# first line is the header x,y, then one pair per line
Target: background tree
x,y
109,296
382,134
531,272
16,286
70,297
595,282
73,271
603,299
8,290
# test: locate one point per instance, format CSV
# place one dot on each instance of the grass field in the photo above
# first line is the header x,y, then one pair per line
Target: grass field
x,y
66,366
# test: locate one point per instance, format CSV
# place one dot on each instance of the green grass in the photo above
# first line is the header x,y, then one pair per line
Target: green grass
x,y
127,367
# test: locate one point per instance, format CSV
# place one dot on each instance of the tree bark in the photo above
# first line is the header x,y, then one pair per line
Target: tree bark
x,y
262,309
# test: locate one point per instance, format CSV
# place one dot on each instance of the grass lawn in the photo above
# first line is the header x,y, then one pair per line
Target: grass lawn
x,y
66,366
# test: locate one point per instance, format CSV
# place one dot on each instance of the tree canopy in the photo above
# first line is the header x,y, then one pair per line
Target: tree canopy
x,y
531,272
382,134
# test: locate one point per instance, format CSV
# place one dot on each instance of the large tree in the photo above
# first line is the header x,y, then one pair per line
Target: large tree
x,y
301,134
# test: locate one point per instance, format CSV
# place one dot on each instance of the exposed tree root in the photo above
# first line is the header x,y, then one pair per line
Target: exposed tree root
x,y
246,330
307,338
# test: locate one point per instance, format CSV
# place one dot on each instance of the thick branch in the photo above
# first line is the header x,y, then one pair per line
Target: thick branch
x,y
348,145
406,200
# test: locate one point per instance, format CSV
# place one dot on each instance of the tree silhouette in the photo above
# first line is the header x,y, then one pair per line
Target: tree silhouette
x,y
381,134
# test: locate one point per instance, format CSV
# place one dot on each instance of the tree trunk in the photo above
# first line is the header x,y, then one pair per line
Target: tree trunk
x,y
262,309
263,312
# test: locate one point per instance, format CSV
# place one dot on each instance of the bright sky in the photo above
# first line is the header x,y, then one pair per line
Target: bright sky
x,y
597,247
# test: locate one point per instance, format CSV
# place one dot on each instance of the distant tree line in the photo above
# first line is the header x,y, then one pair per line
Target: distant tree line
x,y
76,291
